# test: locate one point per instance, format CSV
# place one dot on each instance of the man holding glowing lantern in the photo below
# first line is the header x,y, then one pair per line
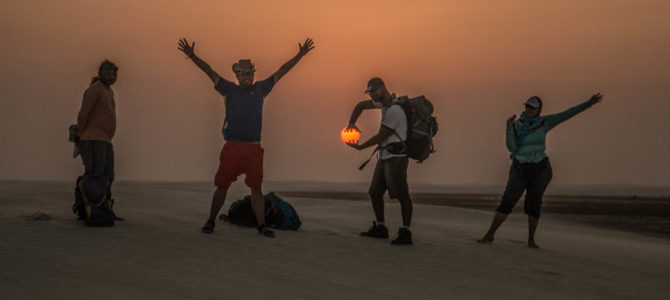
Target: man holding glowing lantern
x,y
391,169
242,152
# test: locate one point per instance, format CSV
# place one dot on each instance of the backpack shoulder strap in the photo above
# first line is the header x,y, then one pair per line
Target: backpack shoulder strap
x,y
365,163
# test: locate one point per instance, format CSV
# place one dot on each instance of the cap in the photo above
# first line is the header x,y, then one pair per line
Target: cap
x,y
533,102
374,84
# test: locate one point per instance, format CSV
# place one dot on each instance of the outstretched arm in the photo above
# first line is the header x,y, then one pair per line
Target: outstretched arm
x,y
555,119
302,50
189,50
358,109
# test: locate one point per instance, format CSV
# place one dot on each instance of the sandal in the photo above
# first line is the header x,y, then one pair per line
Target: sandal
x,y
209,227
265,231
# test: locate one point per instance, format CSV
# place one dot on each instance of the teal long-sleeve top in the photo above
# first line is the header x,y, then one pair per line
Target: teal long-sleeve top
x,y
532,147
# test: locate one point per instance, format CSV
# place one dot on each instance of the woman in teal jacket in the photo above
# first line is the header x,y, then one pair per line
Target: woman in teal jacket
x,y
530,170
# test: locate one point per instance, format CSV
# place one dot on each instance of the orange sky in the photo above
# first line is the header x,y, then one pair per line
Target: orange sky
x,y
476,61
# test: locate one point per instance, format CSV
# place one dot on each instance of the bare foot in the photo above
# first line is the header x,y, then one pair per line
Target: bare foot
x,y
485,240
531,244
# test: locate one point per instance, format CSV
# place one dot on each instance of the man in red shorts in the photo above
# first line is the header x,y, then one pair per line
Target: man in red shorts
x,y
242,153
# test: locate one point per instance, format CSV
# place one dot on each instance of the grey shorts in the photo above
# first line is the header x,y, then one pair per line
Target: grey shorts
x,y
98,158
390,174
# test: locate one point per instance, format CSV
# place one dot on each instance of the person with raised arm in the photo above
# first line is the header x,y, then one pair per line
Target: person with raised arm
x,y
242,152
530,171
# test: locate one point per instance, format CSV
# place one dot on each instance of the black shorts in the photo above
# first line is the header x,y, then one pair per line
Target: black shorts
x,y
530,177
98,158
390,174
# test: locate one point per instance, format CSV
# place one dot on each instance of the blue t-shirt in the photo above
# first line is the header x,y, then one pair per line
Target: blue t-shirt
x,y
244,109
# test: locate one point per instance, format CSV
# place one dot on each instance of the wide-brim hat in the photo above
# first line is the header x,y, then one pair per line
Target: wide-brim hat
x,y
243,65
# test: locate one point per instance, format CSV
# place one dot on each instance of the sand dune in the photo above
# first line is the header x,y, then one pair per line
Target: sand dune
x,y
160,253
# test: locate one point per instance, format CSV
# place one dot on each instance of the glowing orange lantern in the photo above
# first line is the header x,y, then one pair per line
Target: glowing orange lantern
x,y
350,135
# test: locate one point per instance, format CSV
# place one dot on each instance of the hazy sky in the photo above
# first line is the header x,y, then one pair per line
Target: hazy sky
x,y
476,60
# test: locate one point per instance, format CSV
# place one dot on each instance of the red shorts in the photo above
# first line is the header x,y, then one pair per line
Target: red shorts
x,y
239,158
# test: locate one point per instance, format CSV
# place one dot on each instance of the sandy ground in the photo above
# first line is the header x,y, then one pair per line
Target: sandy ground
x,y
645,215
160,253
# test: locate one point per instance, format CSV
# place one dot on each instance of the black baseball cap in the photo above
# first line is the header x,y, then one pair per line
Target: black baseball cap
x,y
374,84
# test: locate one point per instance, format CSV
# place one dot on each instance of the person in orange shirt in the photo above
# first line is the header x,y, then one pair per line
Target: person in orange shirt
x,y
96,124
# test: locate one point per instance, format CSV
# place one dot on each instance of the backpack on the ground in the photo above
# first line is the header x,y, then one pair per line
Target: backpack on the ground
x,y
281,214
421,126
241,213
92,202
278,213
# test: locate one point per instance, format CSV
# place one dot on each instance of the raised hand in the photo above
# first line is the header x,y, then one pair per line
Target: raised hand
x,y
302,50
596,98
189,50
306,47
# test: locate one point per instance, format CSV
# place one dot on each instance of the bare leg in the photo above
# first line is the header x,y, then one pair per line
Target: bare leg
x,y
498,219
532,225
406,210
217,202
378,207
258,205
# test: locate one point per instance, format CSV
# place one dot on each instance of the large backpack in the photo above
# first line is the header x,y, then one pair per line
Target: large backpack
x,y
278,213
92,202
421,126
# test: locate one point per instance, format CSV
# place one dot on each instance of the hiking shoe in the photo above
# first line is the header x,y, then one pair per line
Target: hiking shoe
x,y
404,237
376,231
